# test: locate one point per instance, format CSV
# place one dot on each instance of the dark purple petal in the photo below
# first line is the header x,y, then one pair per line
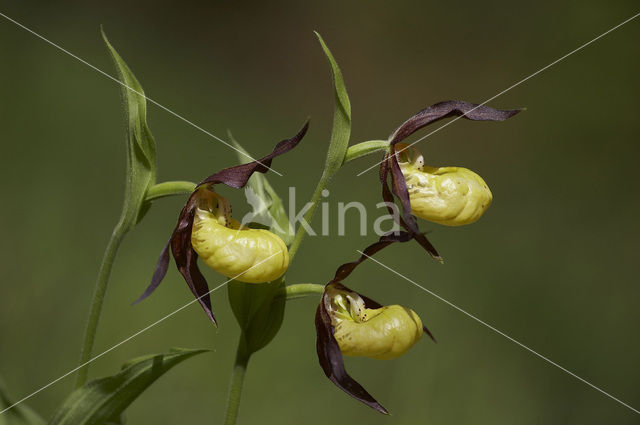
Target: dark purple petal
x,y
330,358
384,241
449,108
387,196
238,176
197,283
428,332
424,243
186,258
158,274
399,186
182,229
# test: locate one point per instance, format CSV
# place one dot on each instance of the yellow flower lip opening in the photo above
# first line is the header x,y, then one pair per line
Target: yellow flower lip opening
x,y
382,333
452,196
233,250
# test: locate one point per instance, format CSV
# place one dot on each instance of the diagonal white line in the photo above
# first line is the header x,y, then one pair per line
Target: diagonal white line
x,y
512,86
131,337
133,90
500,332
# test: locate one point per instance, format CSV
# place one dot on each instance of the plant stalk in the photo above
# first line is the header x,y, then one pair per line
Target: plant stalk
x,y
98,298
162,190
365,148
354,152
300,290
302,230
237,381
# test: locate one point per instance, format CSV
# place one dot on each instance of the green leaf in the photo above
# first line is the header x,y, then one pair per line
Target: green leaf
x,y
20,414
102,401
259,311
341,130
268,209
141,148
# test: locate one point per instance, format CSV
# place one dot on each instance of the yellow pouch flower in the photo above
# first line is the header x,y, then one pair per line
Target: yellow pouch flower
x,y
453,196
233,250
379,333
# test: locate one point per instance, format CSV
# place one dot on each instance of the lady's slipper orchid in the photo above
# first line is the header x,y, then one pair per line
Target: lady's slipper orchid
x,y
350,324
205,228
452,196
449,206
361,331
231,249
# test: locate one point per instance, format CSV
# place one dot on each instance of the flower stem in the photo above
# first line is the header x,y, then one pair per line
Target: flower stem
x,y
300,290
165,189
98,298
365,148
237,380
302,230
354,152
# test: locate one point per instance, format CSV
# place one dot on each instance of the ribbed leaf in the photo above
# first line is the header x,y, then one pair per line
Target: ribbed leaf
x,y
141,148
341,130
103,400
17,415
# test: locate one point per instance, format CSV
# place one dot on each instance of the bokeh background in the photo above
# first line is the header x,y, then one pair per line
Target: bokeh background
x,y
554,262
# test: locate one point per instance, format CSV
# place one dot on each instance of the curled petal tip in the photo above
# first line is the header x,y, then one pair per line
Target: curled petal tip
x,y
446,109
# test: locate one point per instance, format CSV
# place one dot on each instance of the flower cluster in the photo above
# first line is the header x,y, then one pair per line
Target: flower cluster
x,y
347,322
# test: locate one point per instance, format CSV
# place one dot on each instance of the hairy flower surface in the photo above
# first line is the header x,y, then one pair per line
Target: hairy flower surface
x,y
233,250
452,196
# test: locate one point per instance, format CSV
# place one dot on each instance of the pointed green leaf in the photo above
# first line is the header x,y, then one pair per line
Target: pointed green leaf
x,y
103,400
20,414
267,205
141,148
259,311
341,130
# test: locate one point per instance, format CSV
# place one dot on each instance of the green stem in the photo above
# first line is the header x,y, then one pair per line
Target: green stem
x,y
237,380
98,298
365,148
302,230
354,152
162,190
300,290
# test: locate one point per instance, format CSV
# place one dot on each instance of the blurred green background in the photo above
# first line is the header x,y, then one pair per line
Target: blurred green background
x,y
554,262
